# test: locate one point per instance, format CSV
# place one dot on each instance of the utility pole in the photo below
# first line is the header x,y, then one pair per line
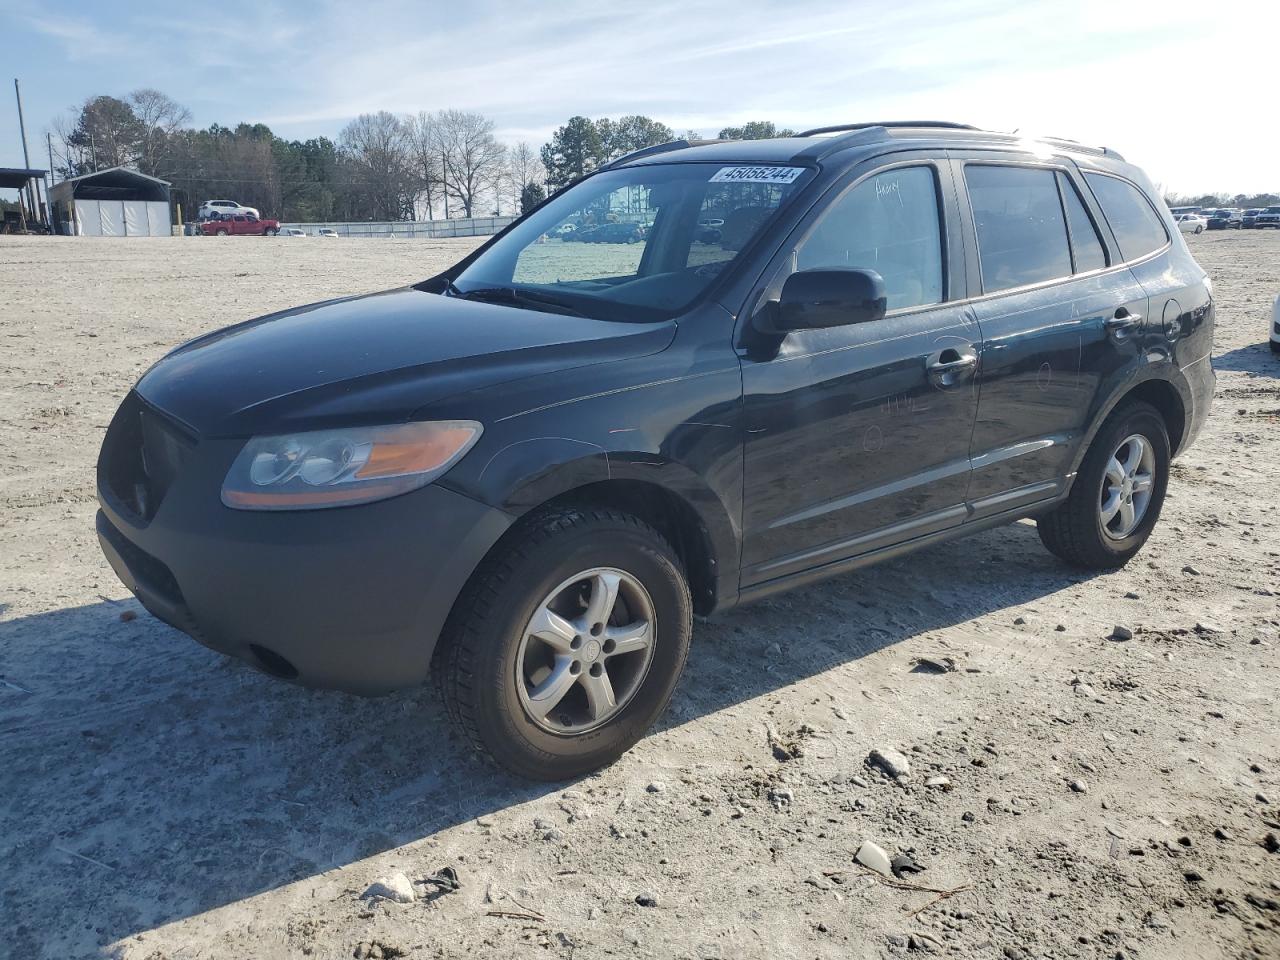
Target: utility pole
x,y
26,159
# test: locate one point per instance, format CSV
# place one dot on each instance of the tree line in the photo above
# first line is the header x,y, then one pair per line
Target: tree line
x,y
381,166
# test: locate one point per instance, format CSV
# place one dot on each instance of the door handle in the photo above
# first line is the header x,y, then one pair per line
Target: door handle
x,y
1122,320
951,360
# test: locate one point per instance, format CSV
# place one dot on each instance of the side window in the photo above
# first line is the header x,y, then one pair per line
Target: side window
x,y
888,223
1022,237
1137,228
1085,243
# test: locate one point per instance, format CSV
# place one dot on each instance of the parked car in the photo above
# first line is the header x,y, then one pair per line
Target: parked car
x,y
327,232
583,234
212,209
1269,217
617,233
292,232
563,231
525,475
1191,222
1224,219
240,225
1249,219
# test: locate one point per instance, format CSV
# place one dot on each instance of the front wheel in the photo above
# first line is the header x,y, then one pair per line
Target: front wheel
x,y
568,642
220,232
1199,229
1116,498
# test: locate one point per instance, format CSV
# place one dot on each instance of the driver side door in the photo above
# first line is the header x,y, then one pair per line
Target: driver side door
x,y
857,436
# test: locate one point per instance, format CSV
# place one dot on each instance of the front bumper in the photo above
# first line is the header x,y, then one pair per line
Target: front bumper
x,y
351,598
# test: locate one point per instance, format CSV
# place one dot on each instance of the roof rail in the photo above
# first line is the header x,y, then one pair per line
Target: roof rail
x,y
658,148
820,149
839,127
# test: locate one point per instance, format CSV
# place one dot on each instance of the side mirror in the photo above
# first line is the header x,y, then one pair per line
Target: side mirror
x,y
814,299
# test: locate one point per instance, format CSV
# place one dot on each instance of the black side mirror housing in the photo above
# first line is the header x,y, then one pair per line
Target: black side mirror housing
x,y
816,299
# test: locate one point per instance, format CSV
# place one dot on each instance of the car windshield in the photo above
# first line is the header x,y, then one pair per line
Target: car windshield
x,y
639,243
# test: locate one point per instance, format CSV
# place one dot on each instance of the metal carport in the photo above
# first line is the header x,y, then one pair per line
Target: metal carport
x,y
117,202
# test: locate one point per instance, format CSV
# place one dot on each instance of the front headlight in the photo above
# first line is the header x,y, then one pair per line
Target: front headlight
x,y
338,468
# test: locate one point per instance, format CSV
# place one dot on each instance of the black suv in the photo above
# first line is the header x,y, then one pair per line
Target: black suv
x,y
527,474
1224,219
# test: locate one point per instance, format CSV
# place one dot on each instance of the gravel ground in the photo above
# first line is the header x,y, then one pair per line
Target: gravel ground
x,y
1103,798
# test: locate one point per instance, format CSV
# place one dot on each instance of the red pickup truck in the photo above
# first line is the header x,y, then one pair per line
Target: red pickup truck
x,y
240,223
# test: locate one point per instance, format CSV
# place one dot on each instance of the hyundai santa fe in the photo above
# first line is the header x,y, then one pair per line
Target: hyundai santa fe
x,y
526,475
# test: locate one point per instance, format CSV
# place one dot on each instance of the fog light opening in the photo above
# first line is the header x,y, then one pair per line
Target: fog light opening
x,y
273,663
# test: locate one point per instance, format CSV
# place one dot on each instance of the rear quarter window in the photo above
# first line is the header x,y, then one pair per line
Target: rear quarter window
x,y
1137,228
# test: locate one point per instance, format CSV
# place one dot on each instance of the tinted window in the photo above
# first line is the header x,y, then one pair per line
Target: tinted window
x,y
1137,228
888,223
1022,237
1085,244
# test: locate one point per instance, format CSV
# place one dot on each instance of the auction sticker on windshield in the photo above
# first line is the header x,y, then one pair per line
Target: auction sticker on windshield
x,y
757,174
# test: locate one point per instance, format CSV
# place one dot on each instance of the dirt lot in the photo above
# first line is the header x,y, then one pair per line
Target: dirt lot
x,y
159,801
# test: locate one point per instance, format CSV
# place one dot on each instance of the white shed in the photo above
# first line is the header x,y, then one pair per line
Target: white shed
x,y
118,202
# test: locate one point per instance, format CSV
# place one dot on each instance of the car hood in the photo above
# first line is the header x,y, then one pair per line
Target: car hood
x,y
374,358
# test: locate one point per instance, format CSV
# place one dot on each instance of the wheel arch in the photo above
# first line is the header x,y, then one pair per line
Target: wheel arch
x,y
1168,397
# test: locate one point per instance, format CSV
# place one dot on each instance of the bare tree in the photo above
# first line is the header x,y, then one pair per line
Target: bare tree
x,y
472,157
378,152
523,169
161,118
428,155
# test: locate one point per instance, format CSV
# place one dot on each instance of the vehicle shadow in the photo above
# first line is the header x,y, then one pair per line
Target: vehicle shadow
x,y
147,779
1256,358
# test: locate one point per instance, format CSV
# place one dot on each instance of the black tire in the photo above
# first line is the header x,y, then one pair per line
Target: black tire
x,y
475,660
1073,531
221,232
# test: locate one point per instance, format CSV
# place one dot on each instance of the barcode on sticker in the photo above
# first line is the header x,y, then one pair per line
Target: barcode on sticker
x,y
757,174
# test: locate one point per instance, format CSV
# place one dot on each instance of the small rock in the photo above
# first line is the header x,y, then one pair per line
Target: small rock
x,y
1131,595
1060,628
890,761
781,798
540,823
1079,786
1014,953
1121,632
941,782
1019,621
968,816
1084,690
647,899
1261,798
1185,841
656,787
395,887
1271,843
1221,834
874,857
897,940
553,836
1191,570
858,782
1192,876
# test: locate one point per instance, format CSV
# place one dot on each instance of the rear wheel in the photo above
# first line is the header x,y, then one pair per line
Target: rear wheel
x,y
221,232
1117,495
567,644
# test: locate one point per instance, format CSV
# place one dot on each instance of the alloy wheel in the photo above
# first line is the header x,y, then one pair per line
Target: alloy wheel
x,y
1127,486
585,651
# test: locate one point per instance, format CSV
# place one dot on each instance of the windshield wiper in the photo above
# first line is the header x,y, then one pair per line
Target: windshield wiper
x,y
518,298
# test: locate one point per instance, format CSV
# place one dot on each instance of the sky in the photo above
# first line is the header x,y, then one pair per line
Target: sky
x,y
1170,85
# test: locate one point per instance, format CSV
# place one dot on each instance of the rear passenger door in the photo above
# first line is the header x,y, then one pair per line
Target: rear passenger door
x,y
1056,318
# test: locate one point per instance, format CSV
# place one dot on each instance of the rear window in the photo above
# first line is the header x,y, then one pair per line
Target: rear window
x,y
1022,236
1137,228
